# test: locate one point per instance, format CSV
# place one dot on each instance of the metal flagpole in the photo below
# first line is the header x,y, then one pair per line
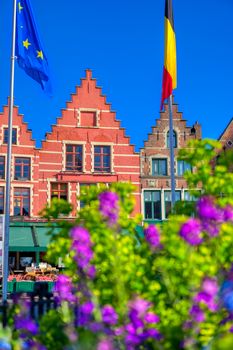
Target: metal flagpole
x,y
171,144
8,169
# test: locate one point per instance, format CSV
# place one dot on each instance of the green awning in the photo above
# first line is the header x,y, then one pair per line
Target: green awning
x,y
28,237
42,237
21,239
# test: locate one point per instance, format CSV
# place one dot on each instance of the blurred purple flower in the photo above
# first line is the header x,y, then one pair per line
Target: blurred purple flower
x,y
210,286
152,236
190,231
109,315
85,313
197,314
26,324
212,228
108,206
150,317
91,271
81,245
64,289
228,213
80,234
207,210
105,344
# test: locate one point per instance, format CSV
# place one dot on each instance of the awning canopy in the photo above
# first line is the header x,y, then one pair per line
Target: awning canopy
x,y
28,237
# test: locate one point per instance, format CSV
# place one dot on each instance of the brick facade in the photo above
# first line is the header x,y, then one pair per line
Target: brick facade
x,y
226,138
155,164
87,145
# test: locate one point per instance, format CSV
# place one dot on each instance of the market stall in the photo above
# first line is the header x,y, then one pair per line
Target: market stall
x,y
26,281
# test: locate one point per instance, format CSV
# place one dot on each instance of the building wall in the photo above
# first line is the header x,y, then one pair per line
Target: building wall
x,y
87,122
226,138
155,157
22,148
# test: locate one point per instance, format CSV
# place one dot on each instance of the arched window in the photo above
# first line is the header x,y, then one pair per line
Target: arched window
x,y
174,139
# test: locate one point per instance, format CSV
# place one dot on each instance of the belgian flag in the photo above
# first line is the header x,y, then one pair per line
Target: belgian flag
x,y
169,69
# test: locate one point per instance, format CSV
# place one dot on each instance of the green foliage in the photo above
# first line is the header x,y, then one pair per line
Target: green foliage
x,y
127,266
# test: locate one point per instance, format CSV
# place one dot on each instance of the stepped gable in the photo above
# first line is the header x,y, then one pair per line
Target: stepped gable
x,y
24,135
157,138
87,125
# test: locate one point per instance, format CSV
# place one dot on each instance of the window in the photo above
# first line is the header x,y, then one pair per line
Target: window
x,y
14,136
59,190
2,167
74,155
174,139
152,205
22,201
1,200
167,201
22,168
189,197
182,167
102,159
159,167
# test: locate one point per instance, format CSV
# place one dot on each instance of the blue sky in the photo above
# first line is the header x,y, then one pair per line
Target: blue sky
x,y
123,42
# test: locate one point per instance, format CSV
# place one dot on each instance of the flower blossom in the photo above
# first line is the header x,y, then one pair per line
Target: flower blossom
x,y
190,231
63,288
141,324
206,296
81,245
109,207
105,344
109,315
152,236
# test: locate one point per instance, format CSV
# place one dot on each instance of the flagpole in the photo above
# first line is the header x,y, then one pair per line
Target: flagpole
x,y
171,144
8,169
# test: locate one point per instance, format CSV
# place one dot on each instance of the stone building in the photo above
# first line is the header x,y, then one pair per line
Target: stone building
x,y
155,164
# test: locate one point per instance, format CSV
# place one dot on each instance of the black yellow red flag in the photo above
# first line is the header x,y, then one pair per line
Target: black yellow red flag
x,y
169,68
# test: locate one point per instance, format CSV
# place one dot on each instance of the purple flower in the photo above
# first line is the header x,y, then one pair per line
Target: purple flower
x,y
197,314
228,213
208,294
140,306
91,271
81,245
109,207
85,313
80,234
190,231
105,344
26,324
64,287
210,286
150,317
211,228
109,315
207,210
152,236
152,333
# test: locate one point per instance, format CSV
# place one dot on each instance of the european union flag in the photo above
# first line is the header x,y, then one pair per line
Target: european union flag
x,y
29,52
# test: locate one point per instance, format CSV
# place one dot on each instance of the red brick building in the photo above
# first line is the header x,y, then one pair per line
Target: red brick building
x,y
86,146
226,137
155,164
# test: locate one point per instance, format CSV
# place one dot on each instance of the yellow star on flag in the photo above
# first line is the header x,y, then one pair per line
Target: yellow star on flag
x,y
40,54
20,7
26,43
